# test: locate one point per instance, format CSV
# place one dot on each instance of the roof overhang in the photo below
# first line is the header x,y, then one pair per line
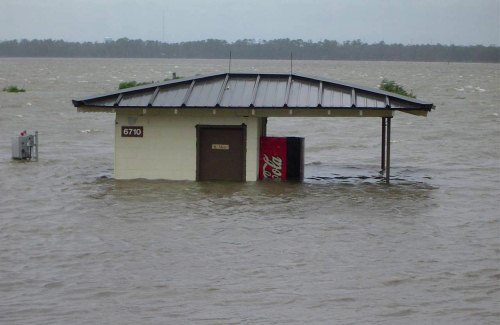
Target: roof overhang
x,y
257,112
256,94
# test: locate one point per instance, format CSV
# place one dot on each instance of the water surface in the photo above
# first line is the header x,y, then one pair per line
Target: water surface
x,y
78,247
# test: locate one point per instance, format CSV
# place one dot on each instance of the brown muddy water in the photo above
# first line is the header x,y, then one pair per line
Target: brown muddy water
x,y
78,247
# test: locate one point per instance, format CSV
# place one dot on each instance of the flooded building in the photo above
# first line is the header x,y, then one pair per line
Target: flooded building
x,y
211,127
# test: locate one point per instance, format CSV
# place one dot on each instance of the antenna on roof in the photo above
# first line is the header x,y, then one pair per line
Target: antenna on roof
x,y
163,27
229,61
291,63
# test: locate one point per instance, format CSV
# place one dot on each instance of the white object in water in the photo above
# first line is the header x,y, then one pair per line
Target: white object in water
x,y
25,146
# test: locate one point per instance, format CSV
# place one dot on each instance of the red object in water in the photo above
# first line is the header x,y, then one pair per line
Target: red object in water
x,y
273,157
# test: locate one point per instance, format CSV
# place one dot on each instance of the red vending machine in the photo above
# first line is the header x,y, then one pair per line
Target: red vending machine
x,y
281,158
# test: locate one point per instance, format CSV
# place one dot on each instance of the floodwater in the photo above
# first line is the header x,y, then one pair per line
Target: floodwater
x,y
78,247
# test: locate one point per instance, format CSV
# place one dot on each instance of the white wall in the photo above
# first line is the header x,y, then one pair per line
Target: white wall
x,y
167,149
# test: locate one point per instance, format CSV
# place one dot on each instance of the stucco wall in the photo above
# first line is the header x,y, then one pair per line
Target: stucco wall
x,y
167,149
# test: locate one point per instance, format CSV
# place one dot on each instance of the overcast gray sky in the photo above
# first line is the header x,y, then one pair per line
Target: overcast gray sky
x,y
460,22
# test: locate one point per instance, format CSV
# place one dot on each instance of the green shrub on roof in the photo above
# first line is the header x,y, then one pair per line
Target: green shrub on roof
x,y
393,87
133,83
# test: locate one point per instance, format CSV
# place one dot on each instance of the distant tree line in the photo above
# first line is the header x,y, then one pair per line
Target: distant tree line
x,y
251,49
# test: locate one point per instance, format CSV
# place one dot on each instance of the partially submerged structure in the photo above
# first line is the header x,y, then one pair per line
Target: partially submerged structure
x,y
209,127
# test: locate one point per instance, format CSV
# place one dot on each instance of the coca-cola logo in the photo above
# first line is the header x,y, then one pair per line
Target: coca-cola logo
x,y
272,167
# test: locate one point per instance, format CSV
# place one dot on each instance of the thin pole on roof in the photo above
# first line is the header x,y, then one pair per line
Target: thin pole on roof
x,y
163,27
229,61
291,63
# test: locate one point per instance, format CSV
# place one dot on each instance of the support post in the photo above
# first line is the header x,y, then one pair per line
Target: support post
x,y
388,153
382,156
36,145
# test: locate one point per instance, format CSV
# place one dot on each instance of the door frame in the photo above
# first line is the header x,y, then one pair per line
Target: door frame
x,y
243,146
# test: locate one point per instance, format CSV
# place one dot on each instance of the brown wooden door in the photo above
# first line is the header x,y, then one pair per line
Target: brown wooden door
x,y
221,153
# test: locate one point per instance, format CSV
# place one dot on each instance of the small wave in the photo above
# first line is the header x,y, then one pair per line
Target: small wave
x,y
476,299
404,312
394,282
89,131
53,285
344,299
105,294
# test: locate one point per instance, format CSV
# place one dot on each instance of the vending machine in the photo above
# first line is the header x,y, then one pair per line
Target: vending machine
x,y
281,158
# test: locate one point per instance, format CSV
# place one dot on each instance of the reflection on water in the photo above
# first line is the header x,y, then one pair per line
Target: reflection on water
x,y
354,184
79,247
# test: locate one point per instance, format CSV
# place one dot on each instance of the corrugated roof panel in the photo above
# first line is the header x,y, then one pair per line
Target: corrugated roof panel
x,y
238,92
303,94
271,92
205,93
136,99
369,100
171,97
336,97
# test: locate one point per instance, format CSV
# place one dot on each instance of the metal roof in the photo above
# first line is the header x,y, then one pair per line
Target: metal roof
x,y
254,90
